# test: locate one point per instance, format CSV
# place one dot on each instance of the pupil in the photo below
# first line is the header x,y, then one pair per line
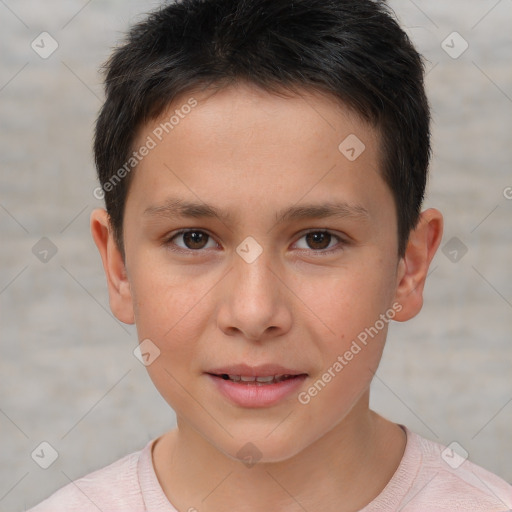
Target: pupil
x,y
318,237
194,238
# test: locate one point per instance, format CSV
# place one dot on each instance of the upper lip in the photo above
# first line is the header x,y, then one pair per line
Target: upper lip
x,y
264,370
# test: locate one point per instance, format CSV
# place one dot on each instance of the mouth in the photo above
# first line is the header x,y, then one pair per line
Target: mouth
x,y
257,386
258,380
262,374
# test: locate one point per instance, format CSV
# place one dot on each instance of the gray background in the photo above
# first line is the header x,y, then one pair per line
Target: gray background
x,y
68,374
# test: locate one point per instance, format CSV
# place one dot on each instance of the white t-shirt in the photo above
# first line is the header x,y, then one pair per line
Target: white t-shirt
x,y
423,482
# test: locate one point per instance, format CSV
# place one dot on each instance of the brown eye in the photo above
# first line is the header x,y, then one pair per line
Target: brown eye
x,y
193,240
318,239
321,242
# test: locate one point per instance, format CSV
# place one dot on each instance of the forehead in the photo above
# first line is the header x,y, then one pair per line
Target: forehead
x,y
252,111
244,144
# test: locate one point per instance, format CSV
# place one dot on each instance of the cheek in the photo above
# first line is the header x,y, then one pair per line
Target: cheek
x,y
348,300
173,317
348,366
165,299
171,313
353,314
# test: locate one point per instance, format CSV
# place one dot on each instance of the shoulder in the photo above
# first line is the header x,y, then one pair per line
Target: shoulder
x,y
114,488
447,481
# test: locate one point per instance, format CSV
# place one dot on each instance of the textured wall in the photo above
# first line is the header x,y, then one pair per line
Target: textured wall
x,y
68,374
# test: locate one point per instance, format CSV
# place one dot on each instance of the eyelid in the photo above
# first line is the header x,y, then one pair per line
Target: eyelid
x,y
167,241
342,241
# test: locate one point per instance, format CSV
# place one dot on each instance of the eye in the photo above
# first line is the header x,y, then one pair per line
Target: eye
x,y
319,241
192,239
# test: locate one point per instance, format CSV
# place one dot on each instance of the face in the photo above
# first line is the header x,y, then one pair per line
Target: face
x,y
256,245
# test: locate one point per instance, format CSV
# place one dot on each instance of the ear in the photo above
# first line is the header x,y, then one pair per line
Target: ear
x,y
413,266
118,285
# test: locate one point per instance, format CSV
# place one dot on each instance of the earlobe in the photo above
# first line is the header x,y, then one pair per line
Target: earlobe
x,y
413,268
119,292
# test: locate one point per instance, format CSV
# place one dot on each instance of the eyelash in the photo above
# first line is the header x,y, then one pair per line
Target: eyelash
x,y
168,242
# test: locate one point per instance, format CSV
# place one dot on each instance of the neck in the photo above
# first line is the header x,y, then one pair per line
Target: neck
x,y
342,471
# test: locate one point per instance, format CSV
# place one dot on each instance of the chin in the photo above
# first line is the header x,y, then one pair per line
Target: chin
x,y
262,448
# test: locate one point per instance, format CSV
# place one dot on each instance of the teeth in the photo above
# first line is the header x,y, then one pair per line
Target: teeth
x,y
265,379
260,380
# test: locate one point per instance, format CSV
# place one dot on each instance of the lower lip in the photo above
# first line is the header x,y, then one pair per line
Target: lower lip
x,y
254,395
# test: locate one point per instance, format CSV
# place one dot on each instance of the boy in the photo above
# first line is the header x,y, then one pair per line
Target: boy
x,y
263,164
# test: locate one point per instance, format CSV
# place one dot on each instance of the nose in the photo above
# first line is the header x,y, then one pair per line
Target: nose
x,y
254,303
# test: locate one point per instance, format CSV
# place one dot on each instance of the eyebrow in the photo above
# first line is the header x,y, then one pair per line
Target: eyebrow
x,y
175,207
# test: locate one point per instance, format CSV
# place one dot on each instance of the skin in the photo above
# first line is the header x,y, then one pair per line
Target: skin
x,y
253,153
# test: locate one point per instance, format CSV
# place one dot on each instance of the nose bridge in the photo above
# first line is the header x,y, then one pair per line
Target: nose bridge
x,y
253,302
253,272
